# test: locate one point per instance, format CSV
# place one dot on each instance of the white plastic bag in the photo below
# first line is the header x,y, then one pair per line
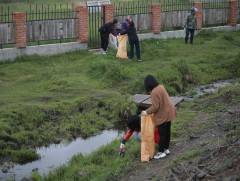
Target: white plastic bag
x,y
112,41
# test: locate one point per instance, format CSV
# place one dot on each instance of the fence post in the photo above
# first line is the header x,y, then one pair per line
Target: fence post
x,y
108,9
199,6
19,19
82,21
233,12
156,18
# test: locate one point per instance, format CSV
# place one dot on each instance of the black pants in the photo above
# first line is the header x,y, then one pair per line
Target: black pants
x,y
136,43
164,131
191,31
104,41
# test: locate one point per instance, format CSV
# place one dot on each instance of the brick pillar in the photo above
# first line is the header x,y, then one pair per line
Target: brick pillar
x,y
233,12
19,19
156,18
108,10
199,6
82,20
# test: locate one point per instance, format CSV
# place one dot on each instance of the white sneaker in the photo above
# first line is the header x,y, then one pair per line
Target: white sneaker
x,y
139,60
159,155
167,151
104,53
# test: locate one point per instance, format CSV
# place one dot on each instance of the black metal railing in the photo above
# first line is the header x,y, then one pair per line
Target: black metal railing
x,y
50,12
6,14
129,8
215,4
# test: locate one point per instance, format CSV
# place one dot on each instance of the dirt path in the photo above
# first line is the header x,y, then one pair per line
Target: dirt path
x,y
219,161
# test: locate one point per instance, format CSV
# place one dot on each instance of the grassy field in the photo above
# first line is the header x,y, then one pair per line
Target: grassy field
x,y
47,99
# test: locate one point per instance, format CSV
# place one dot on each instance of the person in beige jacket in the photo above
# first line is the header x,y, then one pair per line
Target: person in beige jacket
x,y
163,110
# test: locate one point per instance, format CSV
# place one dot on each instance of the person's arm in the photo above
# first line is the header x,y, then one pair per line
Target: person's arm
x,y
155,103
127,136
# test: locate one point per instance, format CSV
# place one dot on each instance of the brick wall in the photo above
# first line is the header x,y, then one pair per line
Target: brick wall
x,y
156,18
82,28
19,19
199,6
233,12
108,9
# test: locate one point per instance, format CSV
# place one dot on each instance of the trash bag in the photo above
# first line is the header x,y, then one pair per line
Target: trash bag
x,y
147,137
112,41
122,47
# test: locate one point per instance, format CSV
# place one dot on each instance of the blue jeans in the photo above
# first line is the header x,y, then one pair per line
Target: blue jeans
x,y
191,31
137,46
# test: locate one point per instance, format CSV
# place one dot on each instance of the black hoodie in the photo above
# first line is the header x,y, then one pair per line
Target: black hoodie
x,y
131,32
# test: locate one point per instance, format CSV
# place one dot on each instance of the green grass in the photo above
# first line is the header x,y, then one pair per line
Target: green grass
x,y
48,99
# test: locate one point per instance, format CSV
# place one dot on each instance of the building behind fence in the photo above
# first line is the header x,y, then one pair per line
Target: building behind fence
x,y
57,23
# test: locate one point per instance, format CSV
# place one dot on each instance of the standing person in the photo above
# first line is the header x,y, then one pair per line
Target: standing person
x,y
164,112
191,25
133,41
104,31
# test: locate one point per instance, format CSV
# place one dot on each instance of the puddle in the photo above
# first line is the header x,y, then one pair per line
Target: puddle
x,y
208,89
57,155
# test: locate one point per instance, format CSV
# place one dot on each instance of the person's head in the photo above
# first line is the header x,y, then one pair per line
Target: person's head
x,y
194,10
150,83
128,20
115,21
131,24
133,122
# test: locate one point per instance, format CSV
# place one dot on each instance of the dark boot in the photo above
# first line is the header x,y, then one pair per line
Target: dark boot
x,y
186,40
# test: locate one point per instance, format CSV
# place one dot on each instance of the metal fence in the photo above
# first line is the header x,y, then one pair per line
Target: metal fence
x,y
37,12
6,14
64,11
130,8
50,12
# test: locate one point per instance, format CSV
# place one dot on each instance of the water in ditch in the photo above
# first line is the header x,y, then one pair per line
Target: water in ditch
x,y
57,155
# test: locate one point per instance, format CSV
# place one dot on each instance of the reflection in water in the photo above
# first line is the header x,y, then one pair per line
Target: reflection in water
x,y
57,155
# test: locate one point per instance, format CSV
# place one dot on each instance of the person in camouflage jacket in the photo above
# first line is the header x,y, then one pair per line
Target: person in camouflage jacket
x,y
190,25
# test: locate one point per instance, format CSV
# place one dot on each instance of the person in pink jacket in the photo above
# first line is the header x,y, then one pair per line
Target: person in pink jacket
x,y
163,110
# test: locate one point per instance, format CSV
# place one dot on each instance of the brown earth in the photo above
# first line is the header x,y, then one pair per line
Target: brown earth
x,y
218,148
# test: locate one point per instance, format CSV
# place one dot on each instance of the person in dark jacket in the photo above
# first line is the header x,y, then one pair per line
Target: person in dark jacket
x,y
133,40
104,31
190,25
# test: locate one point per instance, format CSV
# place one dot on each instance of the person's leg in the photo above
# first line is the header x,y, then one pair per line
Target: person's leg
x,y
191,35
162,135
137,50
105,44
131,50
168,134
102,41
162,142
187,34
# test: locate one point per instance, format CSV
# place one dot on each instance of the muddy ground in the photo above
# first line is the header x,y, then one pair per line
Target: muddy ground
x,y
212,153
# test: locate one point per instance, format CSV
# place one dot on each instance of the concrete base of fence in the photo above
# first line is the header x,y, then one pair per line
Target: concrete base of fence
x,y
181,33
10,54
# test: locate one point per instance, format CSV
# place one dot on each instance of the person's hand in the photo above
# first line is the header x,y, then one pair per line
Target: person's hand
x,y
144,113
122,149
122,146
